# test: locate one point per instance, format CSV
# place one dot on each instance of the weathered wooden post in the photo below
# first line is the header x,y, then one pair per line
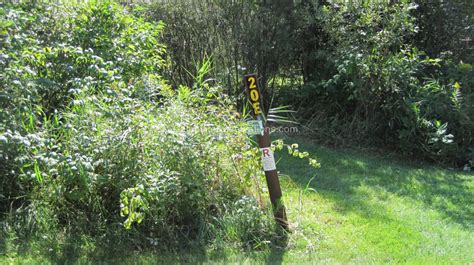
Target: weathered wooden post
x,y
264,142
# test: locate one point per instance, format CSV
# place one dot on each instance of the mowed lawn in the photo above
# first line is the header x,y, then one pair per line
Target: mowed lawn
x,y
357,208
370,208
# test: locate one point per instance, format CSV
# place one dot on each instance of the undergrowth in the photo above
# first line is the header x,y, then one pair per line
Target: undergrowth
x,y
96,149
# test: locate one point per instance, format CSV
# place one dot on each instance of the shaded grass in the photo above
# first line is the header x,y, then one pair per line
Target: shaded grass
x,y
357,208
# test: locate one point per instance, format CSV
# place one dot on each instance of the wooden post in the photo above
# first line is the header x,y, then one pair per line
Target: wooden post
x,y
264,142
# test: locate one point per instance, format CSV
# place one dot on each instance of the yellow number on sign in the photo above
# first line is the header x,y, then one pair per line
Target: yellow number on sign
x,y
254,95
256,108
252,82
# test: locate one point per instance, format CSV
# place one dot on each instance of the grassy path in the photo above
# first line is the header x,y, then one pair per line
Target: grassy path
x,y
365,208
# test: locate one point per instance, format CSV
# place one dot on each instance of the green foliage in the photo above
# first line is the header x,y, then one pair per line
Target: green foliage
x,y
295,152
47,64
381,90
358,73
96,147
445,29
241,37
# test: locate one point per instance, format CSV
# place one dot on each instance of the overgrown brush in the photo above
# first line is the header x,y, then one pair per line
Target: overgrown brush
x,y
378,89
97,149
389,74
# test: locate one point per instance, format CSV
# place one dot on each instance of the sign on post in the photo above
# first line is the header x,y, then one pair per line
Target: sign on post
x,y
254,95
254,127
264,142
268,160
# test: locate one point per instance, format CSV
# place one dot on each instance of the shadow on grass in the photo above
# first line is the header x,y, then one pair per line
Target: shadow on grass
x,y
278,248
342,173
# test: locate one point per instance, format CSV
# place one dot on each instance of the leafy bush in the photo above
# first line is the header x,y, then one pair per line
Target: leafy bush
x,y
93,139
46,65
381,90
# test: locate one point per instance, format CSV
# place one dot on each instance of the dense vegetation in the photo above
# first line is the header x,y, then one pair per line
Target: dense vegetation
x,y
97,148
124,124
394,75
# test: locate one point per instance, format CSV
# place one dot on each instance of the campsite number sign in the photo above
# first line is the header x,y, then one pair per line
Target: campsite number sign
x,y
254,95
263,138
255,127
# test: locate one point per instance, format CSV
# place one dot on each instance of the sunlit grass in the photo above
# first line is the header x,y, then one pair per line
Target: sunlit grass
x,y
368,208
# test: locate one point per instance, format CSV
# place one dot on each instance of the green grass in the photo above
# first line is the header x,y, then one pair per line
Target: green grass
x,y
356,208
367,208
